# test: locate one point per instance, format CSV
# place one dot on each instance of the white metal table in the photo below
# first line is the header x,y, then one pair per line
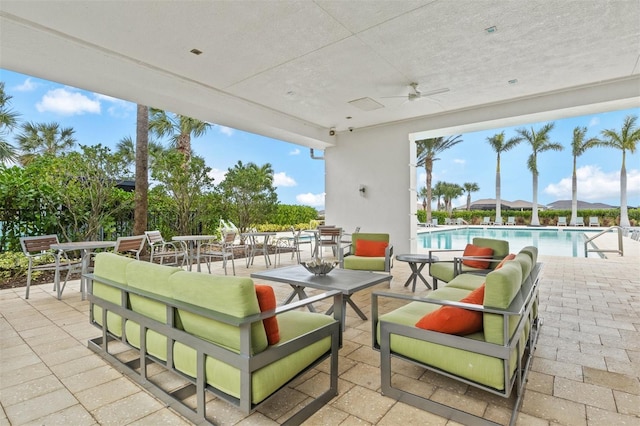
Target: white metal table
x,y
255,247
193,250
87,247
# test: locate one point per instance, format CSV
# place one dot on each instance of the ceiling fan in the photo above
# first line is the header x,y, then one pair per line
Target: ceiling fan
x,y
418,94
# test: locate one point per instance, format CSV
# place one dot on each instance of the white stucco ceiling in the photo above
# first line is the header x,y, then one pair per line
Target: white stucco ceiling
x,y
288,69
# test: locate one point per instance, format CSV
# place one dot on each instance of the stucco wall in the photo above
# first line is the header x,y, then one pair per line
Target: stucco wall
x,y
384,166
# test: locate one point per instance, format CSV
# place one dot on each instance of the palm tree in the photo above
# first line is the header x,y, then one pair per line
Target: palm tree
x,y
125,148
499,145
141,195
625,141
179,129
427,150
8,121
540,143
423,194
470,187
438,192
44,138
451,192
578,147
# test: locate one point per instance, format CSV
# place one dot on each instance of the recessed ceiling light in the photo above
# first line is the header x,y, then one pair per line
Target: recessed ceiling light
x,y
196,51
514,81
491,30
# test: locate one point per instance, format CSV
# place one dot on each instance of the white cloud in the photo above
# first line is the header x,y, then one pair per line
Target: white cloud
x,y
217,175
64,102
309,199
459,161
118,108
27,86
596,185
281,179
294,152
226,130
594,122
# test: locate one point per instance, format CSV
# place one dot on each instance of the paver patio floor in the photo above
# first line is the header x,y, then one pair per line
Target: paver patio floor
x,y
586,369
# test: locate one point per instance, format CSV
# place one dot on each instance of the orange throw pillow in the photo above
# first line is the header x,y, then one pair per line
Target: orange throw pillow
x,y
267,301
508,257
369,248
452,320
475,251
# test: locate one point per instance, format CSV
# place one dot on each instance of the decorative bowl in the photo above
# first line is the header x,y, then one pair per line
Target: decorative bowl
x,y
319,267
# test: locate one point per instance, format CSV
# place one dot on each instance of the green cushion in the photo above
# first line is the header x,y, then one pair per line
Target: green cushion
x,y
270,378
362,263
467,281
442,271
525,263
113,267
500,248
153,278
449,293
229,295
501,288
479,368
367,236
532,251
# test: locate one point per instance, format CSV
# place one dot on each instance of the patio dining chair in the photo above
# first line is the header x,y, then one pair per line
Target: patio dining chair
x,y
222,250
38,249
329,237
161,249
130,245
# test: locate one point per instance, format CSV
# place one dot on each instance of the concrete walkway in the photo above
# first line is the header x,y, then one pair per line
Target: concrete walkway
x,y
586,369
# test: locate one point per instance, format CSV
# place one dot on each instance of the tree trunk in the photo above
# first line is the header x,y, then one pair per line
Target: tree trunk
x,y
534,212
142,171
428,167
624,215
498,200
574,195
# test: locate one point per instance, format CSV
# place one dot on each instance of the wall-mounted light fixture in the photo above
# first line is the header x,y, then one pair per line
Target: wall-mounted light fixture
x,y
362,190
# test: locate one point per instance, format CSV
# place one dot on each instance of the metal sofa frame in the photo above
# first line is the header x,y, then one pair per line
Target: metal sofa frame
x,y
245,361
522,305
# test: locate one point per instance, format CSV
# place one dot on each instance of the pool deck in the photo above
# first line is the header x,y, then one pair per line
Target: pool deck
x,y
586,368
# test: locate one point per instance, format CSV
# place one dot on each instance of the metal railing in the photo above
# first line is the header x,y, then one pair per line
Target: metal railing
x,y
620,249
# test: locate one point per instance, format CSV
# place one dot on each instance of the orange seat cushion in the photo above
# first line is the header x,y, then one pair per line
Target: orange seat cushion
x,y
267,302
474,251
369,248
452,320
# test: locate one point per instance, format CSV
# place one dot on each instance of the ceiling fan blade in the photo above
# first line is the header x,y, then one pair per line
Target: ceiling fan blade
x,y
434,92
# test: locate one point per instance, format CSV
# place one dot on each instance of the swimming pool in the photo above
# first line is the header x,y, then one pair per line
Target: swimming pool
x,y
550,242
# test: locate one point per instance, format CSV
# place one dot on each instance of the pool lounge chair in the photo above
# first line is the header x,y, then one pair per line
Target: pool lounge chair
x,y
486,221
579,221
562,221
499,221
594,221
511,220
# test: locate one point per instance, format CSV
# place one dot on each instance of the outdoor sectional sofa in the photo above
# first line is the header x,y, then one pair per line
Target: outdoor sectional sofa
x,y
210,331
495,358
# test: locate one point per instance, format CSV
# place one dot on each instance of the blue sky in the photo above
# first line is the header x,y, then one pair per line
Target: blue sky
x,y
300,180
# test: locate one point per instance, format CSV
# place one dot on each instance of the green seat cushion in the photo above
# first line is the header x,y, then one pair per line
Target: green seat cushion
x,y
443,271
449,293
270,378
362,263
234,296
112,267
482,369
466,281
156,342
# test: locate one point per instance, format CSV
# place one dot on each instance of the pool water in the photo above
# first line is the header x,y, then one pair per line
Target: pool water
x,y
550,242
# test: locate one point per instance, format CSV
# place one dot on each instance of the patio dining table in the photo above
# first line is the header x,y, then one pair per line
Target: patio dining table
x,y
191,245
86,247
255,246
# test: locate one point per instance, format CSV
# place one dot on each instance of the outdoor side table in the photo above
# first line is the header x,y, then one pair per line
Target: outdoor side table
x,y
417,263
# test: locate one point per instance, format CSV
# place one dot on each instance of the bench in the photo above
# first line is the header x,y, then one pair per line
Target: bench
x,y
210,331
496,358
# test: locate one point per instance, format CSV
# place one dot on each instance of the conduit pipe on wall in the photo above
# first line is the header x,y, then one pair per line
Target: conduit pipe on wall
x,y
314,157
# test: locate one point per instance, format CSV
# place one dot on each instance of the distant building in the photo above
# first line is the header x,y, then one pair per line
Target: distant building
x,y
582,205
490,204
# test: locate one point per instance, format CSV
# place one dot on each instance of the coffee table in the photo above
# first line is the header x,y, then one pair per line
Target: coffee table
x,y
417,263
344,280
